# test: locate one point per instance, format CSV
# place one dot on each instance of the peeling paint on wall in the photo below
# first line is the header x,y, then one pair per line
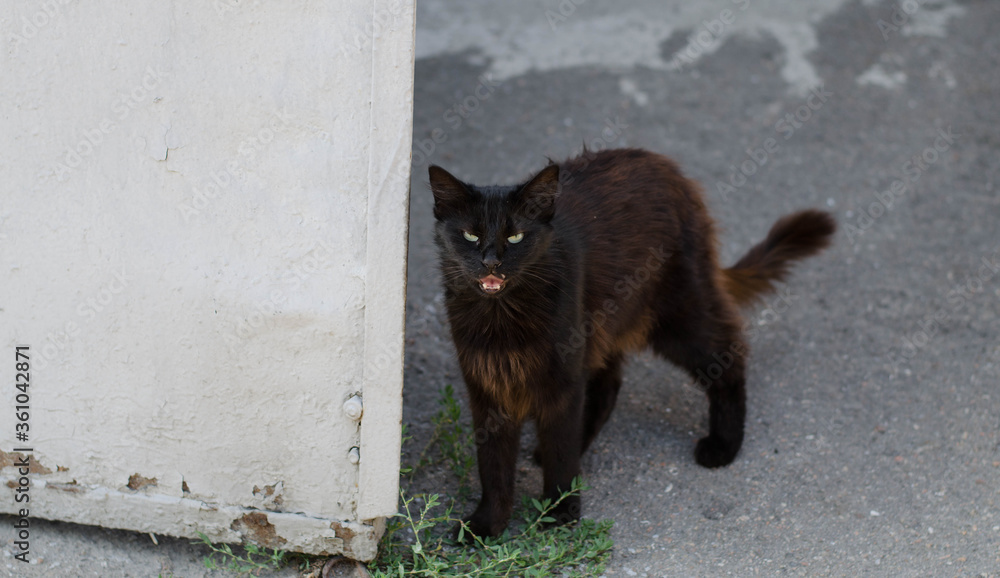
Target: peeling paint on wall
x,y
255,528
68,487
184,517
8,460
137,482
270,497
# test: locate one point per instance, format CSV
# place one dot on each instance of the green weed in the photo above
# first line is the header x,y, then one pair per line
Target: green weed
x,y
419,543
252,562
419,540
453,441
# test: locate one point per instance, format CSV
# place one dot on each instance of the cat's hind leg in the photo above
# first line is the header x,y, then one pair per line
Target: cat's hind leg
x,y
707,342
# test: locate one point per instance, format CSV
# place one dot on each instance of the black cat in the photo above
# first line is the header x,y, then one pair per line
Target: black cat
x,y
549,284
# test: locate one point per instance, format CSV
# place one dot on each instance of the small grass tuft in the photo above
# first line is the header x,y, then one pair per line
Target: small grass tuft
x,y
419,540
420,543
254,559
456,442
453,440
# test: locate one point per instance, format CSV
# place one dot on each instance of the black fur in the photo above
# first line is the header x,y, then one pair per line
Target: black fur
x,y
617,254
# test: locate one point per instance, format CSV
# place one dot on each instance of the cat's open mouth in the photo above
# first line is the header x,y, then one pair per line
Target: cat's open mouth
x,y
491,283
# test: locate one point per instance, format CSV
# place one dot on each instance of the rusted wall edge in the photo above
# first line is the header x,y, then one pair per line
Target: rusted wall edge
x,y
184,518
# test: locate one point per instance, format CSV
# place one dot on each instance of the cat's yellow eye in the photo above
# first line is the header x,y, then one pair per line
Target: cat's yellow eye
x,y
469,237
515,238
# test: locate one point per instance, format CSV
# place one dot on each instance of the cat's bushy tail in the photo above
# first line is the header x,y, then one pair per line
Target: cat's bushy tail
x,y
792,237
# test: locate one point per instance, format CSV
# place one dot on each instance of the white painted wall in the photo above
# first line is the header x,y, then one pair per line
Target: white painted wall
x,y
203,213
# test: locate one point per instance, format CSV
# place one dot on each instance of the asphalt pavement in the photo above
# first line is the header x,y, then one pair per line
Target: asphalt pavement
x,y
873,431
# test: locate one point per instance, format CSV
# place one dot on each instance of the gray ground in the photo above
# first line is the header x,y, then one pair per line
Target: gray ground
x,y
873,434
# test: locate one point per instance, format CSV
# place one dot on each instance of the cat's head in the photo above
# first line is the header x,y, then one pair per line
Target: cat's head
x,y
494,238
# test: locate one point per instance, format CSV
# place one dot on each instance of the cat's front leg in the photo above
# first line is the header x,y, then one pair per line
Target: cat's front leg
x,y
560,436
498,442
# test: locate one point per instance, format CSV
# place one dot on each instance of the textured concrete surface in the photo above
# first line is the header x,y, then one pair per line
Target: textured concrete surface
x,y
873,438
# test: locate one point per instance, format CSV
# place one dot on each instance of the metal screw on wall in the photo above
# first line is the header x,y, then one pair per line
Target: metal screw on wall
x,y
353,408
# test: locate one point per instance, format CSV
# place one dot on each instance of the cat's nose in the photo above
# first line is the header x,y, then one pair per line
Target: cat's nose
x,y
491,261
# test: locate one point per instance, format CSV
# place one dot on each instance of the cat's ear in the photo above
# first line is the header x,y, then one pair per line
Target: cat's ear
x,y
450,194
537,199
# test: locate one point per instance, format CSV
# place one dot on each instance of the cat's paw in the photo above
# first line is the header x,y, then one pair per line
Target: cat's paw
x,y
476,525
715,452
567,512
462,533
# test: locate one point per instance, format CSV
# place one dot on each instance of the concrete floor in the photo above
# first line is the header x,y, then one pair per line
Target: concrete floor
x,y
873,436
